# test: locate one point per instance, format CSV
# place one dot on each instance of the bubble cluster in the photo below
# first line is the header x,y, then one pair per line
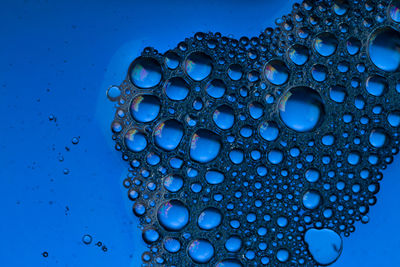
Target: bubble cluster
x,y
265,150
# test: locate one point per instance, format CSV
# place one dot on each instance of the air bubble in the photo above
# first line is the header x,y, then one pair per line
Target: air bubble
x,y
201,251
384,49
168,134
145,108
173,215
205,146
198,66
145,72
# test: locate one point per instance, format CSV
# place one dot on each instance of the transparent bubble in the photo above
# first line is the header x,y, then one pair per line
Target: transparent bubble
x,y
378,138
301,109
340,7
173,215
394,118
256,110
325,44
150,235
176,89
269,130
319,72
276,72
394,10
209,218
236,156
135,140
376,85
229,263
216,88
282,255
168,134
235,72
384,49
312,175
233,243
311,199
214,177
338,93
198,66
353,46
145,72
145,108
201,251
173,183
205,146
113,93
172,245
298,54
172,60
325,245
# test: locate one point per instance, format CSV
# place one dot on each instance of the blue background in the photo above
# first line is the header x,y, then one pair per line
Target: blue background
x,y
58,58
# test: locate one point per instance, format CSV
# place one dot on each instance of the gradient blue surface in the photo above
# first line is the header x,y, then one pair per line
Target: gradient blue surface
x,y
58,58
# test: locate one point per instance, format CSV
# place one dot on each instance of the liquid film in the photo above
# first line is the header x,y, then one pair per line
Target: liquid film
x,y
264,150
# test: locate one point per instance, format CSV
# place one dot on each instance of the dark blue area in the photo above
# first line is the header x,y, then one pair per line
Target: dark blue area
x,y
57,58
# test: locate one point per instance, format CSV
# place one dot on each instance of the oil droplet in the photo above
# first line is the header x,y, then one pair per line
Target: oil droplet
x,y
324,245
198,66
301,109
209,218
205,146
168,134
276,72
145,108
145,72
200,251
173,215
384,49
135,140
176,89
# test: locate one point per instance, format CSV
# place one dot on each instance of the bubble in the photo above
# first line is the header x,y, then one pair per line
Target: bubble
x,y
319,72
176,89
275,156
325,245
205,146
276,72
150,236
235,72
353,46
298,54
325,44
354,158
233,243
87,239
168,134
135,140
311,199
214,177
236,156
216,88
256,110
282,255
338,93
113,93
229,263
145,108
145,72
384,49
378,138
198,66
173,215
340,7
209,218
200,251
172,245
376,85
394,10
312,175
172,60
269,130
394,118
173,183
301,109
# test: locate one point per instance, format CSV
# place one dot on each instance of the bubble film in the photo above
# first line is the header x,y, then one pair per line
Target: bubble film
x,y
265,150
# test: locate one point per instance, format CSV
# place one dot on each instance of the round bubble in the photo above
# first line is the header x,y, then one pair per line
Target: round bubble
x,y
145,108
200,251
384,49
173,215
135,140
198,66
145,72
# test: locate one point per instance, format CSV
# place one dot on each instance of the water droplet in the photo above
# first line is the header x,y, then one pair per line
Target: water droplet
x,y
298,54
324,245
205,146
145,108
384,49
135,140
214,177
269,130
176,88
200,251
325,44
311,199
198,66
173,215
301,109
168,134
209,218
216,88
376,85
276,72
145,72
378,138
